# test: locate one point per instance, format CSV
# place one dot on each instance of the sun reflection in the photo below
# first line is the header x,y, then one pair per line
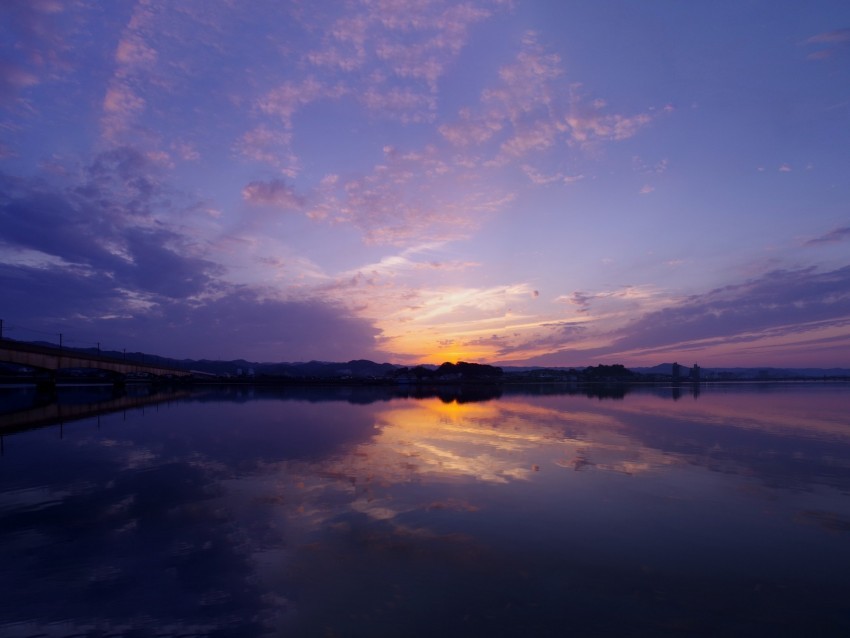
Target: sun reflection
x,y
486,442
424,453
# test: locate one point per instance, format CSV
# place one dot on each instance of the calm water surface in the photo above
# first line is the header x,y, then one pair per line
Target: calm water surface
x,y
351,512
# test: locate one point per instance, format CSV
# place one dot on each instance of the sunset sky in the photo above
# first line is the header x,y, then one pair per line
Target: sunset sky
x,y
540,182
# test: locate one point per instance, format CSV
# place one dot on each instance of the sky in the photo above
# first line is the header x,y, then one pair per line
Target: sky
x,y
540,182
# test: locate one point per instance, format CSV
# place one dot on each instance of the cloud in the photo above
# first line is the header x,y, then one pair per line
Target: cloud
x,y
273,193
641,166
389,55
433,193
270,146
836,235
782,301
550,336
107,226
161,264
135,59
40,49
413,196
615,302
287,99
133,51
121,105
150,307
782,306
580,299
533,110
186,151
242,323
96,257
470,130
830,37
828,43
399,50
402,103
403,39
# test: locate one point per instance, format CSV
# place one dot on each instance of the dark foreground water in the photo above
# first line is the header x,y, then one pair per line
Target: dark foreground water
x,y
351,512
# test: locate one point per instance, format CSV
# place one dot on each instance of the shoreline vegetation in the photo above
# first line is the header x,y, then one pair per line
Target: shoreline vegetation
x,y
364,372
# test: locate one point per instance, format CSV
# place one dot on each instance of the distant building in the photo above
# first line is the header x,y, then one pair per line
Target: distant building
x,y
677,371
695,373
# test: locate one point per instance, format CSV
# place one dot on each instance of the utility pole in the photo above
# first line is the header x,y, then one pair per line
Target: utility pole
x,y
1,330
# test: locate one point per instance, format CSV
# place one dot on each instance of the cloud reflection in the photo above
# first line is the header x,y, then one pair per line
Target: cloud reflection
x,y
430,443
306,516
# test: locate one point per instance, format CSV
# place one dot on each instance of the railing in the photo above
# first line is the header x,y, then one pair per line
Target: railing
x,y
62,350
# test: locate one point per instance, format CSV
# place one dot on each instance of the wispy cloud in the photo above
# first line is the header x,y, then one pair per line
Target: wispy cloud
x,y
287,99
40,48
828,43
534,109
99,251
411,197
367,37
833,236
275,193
781,302
542,339
781,307
135,59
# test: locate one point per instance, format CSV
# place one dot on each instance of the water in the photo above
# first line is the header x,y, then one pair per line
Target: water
x,y
358,512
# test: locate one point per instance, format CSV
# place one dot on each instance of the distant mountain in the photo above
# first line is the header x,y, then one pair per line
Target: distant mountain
x,y
365,369
355,369
720,374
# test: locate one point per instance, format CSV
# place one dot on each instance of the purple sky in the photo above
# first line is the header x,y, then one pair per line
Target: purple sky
x,y
547,182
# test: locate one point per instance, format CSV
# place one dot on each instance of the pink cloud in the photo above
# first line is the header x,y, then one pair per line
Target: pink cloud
x,y
470,131
539,178
186,151
289,97
263,144
533,109
537,137
386,41
404,104
830,43
589,127
345,45
273,193
132,51
836,235
40,51
409,196
120,107
830,37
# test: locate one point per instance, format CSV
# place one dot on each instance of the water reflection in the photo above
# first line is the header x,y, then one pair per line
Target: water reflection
x,y
26,408
278,513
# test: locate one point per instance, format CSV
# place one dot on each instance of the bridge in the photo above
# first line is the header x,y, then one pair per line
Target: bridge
x,y
55,413
54,359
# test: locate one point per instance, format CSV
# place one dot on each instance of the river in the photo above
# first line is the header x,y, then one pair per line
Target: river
x,y
546,511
